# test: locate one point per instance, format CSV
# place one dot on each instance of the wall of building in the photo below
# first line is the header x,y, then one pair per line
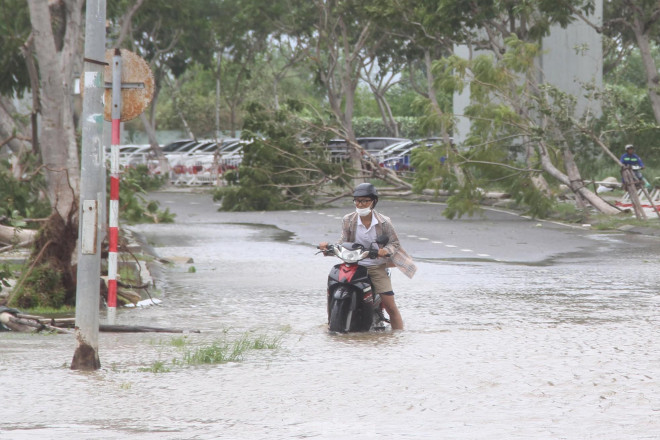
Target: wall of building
x,y
571,57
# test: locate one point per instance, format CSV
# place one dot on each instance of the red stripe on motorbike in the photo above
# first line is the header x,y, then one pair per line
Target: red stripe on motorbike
x,y
346,272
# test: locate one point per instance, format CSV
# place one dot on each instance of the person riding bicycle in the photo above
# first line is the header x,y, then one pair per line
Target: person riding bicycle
x,y
363,226
629,158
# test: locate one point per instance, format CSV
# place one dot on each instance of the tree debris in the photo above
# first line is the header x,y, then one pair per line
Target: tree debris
x,y
16,321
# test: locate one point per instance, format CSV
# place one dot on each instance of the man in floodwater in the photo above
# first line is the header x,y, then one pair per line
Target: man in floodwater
x,y
363,226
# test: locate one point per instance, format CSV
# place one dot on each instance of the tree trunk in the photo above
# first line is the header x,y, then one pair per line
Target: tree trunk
x,y
641,29
574,177
56,57
579,189
163,163
59,148
9,235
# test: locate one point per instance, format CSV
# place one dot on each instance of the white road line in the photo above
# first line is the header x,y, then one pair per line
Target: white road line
x,y
411,236
436,242
483,255
450,245
422,238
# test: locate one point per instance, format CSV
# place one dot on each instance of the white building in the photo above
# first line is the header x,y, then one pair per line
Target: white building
x,y
570,58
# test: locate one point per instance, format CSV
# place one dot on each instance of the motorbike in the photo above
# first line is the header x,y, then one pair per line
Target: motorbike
x,y
637,171
353,305
640,179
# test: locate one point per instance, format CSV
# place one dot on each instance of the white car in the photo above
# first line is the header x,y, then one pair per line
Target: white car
x,y
132,155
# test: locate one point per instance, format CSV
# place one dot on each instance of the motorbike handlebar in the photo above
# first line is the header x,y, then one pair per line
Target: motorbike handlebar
x,y
327,251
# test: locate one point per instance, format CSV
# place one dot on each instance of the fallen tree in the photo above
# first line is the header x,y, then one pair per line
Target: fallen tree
x,y
15,237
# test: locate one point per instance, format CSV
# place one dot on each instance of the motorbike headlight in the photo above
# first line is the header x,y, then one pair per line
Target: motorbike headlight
x,y
353,256
349,256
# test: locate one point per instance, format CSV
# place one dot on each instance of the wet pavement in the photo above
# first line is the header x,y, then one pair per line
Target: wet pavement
x,y
515,329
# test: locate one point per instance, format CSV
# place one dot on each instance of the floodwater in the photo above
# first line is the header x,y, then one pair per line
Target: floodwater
x,y
567,349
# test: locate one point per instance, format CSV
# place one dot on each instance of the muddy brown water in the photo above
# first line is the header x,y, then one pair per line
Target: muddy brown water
x,y
562,348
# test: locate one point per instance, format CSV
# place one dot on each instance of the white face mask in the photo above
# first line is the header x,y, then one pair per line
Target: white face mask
x,y
363,211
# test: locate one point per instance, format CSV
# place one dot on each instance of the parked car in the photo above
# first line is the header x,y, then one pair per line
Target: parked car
x,y
131,155
207,146
398,157
376,144
174,146
338,148
394,149
231,155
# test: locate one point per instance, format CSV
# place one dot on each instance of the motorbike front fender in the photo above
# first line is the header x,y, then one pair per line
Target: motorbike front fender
x,y
341,294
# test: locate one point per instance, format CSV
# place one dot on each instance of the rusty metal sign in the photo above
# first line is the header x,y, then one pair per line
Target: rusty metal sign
x,y
137,85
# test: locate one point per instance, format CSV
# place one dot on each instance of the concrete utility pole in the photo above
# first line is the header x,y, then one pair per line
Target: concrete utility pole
x,y
92,194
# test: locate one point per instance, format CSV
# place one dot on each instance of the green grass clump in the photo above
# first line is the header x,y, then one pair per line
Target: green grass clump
x,y
156,367
220,351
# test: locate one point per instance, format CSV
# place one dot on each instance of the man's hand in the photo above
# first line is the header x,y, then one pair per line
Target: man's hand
x,y
323,246
383,253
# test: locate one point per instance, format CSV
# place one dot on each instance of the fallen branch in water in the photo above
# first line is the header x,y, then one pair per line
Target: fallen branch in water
x,y
22,324
30,323
141,329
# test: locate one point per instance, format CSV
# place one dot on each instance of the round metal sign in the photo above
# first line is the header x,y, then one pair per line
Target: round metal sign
x,y
137,85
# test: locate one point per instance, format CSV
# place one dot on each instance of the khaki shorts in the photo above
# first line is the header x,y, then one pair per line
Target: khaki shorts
x,y
379,278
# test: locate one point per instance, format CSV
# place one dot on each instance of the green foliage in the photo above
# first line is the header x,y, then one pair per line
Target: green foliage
x,y
23,198
279,170
220,351
409,127
526,194
194,98
5,274
465,201
432,169
492,156
15,29
41,287
133,205
55,312
156,367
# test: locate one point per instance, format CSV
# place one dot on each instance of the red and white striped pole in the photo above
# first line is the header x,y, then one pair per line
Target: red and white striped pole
x,y
113,221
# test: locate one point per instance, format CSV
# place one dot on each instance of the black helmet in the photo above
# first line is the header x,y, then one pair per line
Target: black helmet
x,y
366,190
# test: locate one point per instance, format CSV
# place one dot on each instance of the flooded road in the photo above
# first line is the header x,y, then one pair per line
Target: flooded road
x,y
515,329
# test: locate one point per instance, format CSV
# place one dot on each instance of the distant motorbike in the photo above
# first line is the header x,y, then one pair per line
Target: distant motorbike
x,y
352,304
637,172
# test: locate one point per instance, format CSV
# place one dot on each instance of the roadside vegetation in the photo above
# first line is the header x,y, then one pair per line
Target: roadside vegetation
x,y
39,283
